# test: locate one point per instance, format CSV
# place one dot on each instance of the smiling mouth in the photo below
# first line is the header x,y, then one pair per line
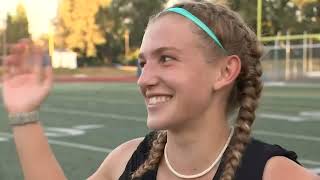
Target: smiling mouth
x,y
157,100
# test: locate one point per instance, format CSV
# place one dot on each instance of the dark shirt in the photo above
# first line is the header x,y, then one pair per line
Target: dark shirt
x,y
252,165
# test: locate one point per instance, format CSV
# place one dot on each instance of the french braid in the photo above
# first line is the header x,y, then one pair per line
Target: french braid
x,y
248,89
154,156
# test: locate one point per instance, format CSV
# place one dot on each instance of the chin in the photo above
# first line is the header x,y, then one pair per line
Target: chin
x,y
154,123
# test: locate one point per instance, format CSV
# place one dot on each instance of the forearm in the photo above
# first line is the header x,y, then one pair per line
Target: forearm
x,y
35,155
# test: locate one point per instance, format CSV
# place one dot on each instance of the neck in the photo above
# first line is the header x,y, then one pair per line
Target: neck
x,y
192,150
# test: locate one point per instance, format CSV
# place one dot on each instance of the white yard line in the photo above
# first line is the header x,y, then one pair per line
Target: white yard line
x,y
315,170
92,114
69,144
80,146
6,135
3,139
51,109
309,97
305,161
106,101
284,84
281,117
287,135
311,114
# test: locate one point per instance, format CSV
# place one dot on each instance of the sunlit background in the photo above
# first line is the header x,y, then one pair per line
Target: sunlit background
x,y
40,13
95,104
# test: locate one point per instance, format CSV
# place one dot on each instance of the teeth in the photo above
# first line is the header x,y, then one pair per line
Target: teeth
x,y
158,99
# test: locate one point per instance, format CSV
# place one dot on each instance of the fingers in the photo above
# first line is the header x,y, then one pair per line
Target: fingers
x,y
41,62
48,78
46,60
17,48
35,60
25,58
17,56
9,67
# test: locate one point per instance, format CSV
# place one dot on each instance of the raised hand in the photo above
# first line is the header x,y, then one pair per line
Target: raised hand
x,y
26,80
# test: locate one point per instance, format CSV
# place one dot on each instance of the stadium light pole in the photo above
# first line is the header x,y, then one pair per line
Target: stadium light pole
x,y
127,21
126,42
51,40
259,18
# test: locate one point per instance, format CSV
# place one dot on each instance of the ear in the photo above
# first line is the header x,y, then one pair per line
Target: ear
x,y
229,70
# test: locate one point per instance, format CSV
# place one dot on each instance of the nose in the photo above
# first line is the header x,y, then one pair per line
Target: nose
x,y
149,76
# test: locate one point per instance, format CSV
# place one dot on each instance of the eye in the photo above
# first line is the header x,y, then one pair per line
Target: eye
x,y
164,59
141,63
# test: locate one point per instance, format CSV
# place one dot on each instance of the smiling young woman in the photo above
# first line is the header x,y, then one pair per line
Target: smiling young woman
x,y
200,63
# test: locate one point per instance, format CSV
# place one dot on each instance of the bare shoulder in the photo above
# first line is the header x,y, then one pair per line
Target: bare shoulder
x,y
115,163
279,168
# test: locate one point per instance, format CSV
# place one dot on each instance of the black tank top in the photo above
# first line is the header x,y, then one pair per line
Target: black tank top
x,y
253,161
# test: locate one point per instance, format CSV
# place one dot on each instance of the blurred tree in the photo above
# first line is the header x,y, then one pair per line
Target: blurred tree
x,y
76,27
111,49
134,16
17,25
247,9
310,16
123,16
281,15
301,3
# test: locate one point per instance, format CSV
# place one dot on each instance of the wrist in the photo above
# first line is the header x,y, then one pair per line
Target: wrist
x,y
23,118
20,110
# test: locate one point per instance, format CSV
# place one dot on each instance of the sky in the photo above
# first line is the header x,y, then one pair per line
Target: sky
x,y
39,12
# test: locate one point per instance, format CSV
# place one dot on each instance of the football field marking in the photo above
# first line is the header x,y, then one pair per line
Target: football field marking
x,y
287,135
2,139
284,84
73,131
80,146
281,117
310,116
108,150
96,100
302,117
89,126
92,114
316,170
315,163
69,144
62,132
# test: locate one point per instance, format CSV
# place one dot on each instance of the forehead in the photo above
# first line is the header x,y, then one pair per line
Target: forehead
x,y
171,30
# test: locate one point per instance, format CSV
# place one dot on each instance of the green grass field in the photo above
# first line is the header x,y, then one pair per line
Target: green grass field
x,y
86,121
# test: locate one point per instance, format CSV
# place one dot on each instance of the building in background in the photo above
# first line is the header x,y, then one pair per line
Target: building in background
x,y
64,59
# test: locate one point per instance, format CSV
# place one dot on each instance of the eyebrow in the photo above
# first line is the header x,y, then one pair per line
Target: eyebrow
x,y
158,51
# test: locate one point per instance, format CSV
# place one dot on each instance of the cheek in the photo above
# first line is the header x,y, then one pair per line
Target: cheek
x,y
197,81
193,92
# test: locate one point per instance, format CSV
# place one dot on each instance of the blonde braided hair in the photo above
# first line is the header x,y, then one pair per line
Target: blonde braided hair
x,y
238,39
247,89
154,156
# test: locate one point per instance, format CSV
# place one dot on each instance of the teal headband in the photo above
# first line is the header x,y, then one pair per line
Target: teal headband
x,y
198,22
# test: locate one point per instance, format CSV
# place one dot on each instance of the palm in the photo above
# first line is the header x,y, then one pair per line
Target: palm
x,y
24,92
